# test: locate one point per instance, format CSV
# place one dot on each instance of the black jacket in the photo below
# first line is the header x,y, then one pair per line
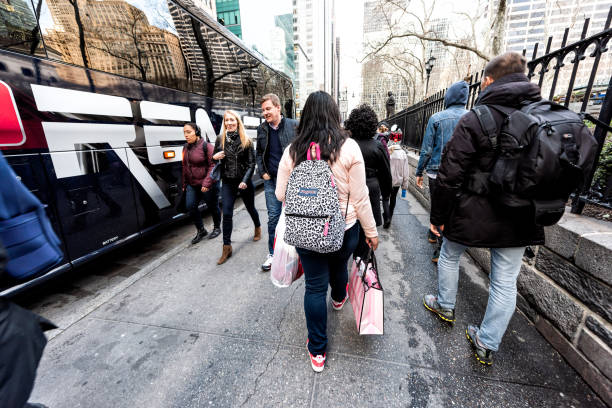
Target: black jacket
x,y
472,219
378,173
286,134
239,163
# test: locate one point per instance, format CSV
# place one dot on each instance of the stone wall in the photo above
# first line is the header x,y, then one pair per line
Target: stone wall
x,y
565,289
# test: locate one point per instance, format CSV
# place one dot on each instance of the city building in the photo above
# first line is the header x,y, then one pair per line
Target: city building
x,y
379,75
17,23
228,14
285,23
313,40
208,6
534,21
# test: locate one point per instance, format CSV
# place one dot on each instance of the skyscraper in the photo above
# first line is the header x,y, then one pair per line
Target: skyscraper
x,y
314,48
228,14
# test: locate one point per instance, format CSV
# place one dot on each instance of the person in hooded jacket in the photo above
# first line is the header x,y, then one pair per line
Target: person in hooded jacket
x,y
468,219
362,125
439,130
197,184
235,150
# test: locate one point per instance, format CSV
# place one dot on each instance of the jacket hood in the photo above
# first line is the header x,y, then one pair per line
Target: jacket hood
x,y
456,94
511,90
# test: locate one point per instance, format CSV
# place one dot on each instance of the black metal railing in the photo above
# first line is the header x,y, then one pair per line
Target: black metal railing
x,y
413,120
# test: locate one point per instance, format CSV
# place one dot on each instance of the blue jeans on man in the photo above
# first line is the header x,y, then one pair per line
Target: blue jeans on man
x,y
274,208
505,268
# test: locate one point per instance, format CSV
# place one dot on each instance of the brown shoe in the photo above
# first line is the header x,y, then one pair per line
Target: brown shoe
x,y
257,236
227,252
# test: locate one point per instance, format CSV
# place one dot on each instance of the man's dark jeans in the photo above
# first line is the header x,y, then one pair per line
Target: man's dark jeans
x,y
321,270
229,193
274,210
193,197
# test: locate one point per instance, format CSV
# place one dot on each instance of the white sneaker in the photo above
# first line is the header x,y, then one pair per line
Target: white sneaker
x,y
266,266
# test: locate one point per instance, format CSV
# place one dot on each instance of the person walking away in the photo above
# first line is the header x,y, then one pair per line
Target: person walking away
x,y
383,134
197,184
469,219
400,171
273,136
439,130
361,123
320,123
235,150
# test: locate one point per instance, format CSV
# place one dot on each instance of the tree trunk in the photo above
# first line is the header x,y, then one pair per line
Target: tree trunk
x,y
499,28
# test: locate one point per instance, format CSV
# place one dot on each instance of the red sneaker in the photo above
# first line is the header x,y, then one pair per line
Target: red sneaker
x,y
339,305
317,362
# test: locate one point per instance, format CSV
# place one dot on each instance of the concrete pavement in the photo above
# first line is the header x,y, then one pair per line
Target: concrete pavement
x,y
161,325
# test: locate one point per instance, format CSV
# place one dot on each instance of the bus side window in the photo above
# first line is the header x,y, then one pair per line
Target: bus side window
x,y
19,27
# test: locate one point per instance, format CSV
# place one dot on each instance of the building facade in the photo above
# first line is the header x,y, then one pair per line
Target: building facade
x,y
228,14
313,40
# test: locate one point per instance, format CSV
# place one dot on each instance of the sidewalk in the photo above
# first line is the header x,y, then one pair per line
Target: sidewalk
x,y
178,331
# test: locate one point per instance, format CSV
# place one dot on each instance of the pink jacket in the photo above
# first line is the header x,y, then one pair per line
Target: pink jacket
x,y
349,174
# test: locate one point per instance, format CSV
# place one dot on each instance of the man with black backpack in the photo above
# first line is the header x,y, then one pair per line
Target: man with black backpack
x,y
506,172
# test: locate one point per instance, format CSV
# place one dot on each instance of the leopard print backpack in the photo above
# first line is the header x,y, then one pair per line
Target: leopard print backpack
x,y
312,210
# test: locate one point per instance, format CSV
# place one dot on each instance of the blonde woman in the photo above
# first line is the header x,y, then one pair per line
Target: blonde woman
x,y
237,155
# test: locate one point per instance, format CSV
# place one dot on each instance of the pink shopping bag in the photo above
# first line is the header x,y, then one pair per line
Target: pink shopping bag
x,y
366,295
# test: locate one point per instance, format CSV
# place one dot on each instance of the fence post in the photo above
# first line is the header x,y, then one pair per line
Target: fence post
x,y
605,115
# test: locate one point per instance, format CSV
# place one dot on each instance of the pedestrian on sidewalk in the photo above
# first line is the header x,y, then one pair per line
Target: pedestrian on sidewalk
x,y
273,136
439,130
361,123
400,172
320,123
197,184
383,134
469,219
237,155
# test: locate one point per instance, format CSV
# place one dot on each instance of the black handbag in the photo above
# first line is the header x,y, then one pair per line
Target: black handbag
x,y
215,174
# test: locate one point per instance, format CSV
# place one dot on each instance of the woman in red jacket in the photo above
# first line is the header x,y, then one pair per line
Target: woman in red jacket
x,y
197,166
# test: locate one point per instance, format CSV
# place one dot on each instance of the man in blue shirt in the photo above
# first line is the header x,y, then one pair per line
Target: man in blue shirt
x,y
439,130
273,136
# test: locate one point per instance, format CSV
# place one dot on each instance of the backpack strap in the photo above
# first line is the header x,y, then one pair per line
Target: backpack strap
x,y
487,122
317,148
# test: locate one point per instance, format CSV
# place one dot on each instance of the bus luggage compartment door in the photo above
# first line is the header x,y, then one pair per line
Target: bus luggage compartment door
x,y
96,204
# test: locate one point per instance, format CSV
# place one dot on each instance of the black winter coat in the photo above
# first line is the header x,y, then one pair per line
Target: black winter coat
x,y
378,173
238,164
471,219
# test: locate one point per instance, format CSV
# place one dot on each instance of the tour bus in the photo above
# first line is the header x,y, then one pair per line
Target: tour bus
x,y
93,97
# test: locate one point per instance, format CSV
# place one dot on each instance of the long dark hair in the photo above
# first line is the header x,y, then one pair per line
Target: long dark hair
x,y
320,123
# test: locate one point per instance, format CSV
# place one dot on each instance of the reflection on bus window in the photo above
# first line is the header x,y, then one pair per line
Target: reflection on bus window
x,y
120,37
18,28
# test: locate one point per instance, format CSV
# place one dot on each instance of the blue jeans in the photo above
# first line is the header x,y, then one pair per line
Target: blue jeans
x,y
229,193
192,199
274,210
505,268
321,270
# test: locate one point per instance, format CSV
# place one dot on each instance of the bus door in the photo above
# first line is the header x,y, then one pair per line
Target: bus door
x,y
95,198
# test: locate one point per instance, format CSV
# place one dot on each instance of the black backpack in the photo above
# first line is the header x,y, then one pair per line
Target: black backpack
x,y
544,152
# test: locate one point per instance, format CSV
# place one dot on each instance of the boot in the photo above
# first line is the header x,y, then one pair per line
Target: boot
x,y
257,235
201,234
227,252
215,233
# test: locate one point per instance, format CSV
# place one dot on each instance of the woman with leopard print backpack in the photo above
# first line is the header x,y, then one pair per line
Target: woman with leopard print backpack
x,y
320,135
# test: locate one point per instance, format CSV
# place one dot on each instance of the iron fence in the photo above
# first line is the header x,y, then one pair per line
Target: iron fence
x,y
413,120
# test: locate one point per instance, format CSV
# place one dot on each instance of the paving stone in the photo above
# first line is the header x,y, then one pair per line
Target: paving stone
x,y
550,301
596,351
598,328
589,290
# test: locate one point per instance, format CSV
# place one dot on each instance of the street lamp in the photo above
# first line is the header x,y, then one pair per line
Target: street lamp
x,y
429,64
